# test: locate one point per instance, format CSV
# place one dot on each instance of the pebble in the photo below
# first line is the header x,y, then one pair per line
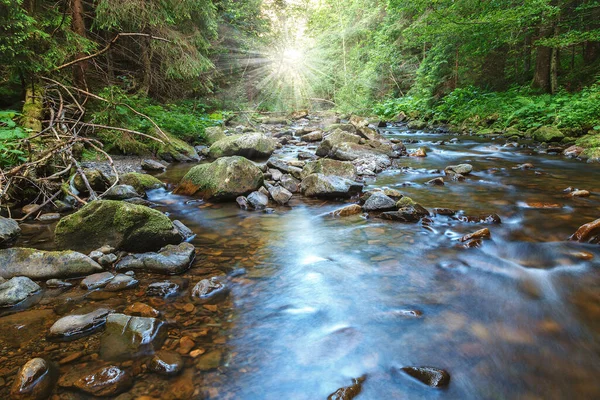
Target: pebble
x,y
166,363
141,310
186,344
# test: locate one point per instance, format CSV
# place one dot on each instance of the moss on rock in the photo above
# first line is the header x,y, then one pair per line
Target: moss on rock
x,y
141,182
548,134
223,179
251,145
122,225
177,150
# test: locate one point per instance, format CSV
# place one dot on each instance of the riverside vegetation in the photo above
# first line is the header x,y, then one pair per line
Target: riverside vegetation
x,y
193,206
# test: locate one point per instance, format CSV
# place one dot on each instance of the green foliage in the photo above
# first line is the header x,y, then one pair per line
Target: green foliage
x,y
519,107
11,135
185,120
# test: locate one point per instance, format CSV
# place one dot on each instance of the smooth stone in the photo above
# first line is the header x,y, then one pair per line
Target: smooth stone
x,y
163,289
128,337
49,217
34,381
107,260
588,233
141,310
77,325
579,193
209,361
281,195
406,214
96,281
258,200
462,169
210,291
57,283
326,166
420,152
253,146
121,192
430,376
16,290
95,255
170,260
42,265
480,234
290,183
185,232
378,201
107,381
166,363
347,211
319,185
121,282
275,174
151,165
242,202
435,182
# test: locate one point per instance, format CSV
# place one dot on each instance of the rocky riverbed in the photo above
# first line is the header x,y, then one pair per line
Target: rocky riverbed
x,y
312,258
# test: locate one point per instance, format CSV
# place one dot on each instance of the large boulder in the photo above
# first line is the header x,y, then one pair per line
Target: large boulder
x,y
9,231
16,290
213,134
328,166
319,185
224,179
39,264
118,224
170,260
337,137
129,337
140,182
250,145
548,134
352,151
175,149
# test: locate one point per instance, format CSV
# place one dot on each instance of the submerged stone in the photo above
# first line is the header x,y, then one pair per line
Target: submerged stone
x,y
210,291
16,290
34,381
107,381
128,337
75,326
170,260
166,363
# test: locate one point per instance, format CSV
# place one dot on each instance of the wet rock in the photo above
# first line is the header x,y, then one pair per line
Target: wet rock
x,y
588,233
182,387
251,145
76,326
378,201
9,231
278,164
354,152
213,134
275,174
39,264
524,166
328,166
163,289
121,225
56,283
210,291
121,282
417,125
16,290
290,183
107,260
430,376
183,230
151,165
186,344
121,192
435,182
170,260
49,217
34,381
96,281
319,185
334,139
242,202
548,134
481,219
209,361
141,310
107,381
312,137
138,201
279,194
579,193
166,363
444,211
258,200
406,214
128,337
573,151
480,234
223,179
462,169
348,392
420,152
140,182
347,211
97,180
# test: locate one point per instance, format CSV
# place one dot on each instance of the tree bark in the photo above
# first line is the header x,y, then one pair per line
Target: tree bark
x,y
543,61
527,58
78,26
146,66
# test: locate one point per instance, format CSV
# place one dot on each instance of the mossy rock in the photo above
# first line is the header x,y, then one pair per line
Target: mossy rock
x,y
405,202
328,166
224,179
589,141
213,134
119,224
141,182
591,155
177,150
417,125
342,127
513,131
97,180
548,134
250,145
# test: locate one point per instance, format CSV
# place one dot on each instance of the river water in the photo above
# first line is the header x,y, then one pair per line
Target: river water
x,y
317,301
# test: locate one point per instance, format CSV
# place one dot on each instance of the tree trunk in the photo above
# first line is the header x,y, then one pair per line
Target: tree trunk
x,y
78,26
543,61
146,66
33,109
527,58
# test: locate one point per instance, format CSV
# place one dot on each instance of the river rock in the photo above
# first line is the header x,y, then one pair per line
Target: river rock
x,y
328,166
106,381
210,291
213,134
348,392
462,169
352,151
334,139
152,165
57,284
573,151
579,193
588,233
121,282
170,260
185,232
16,290
96,281
480,234
279,194
242,202
290,183
378,201
319,185
77,325
97,180
435,182
312,137
250,145
417,125
39,264
107,260
163,289
430,376
34,381
49,217
166,363
128,337
121,225
9,231
548,134
121,192
223,179
420,152
342,127
141,310
258,200
275,174
408,211
140,182
347,211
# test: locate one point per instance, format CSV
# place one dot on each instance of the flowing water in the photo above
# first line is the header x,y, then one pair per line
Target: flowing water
x,y
317,301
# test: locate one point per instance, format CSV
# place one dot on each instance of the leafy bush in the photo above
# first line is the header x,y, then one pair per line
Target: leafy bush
x,y
11,135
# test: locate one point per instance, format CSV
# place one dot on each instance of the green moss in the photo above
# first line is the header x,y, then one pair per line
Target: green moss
x,y
548,134
250,145
589,141
141,182
176,149
405,202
